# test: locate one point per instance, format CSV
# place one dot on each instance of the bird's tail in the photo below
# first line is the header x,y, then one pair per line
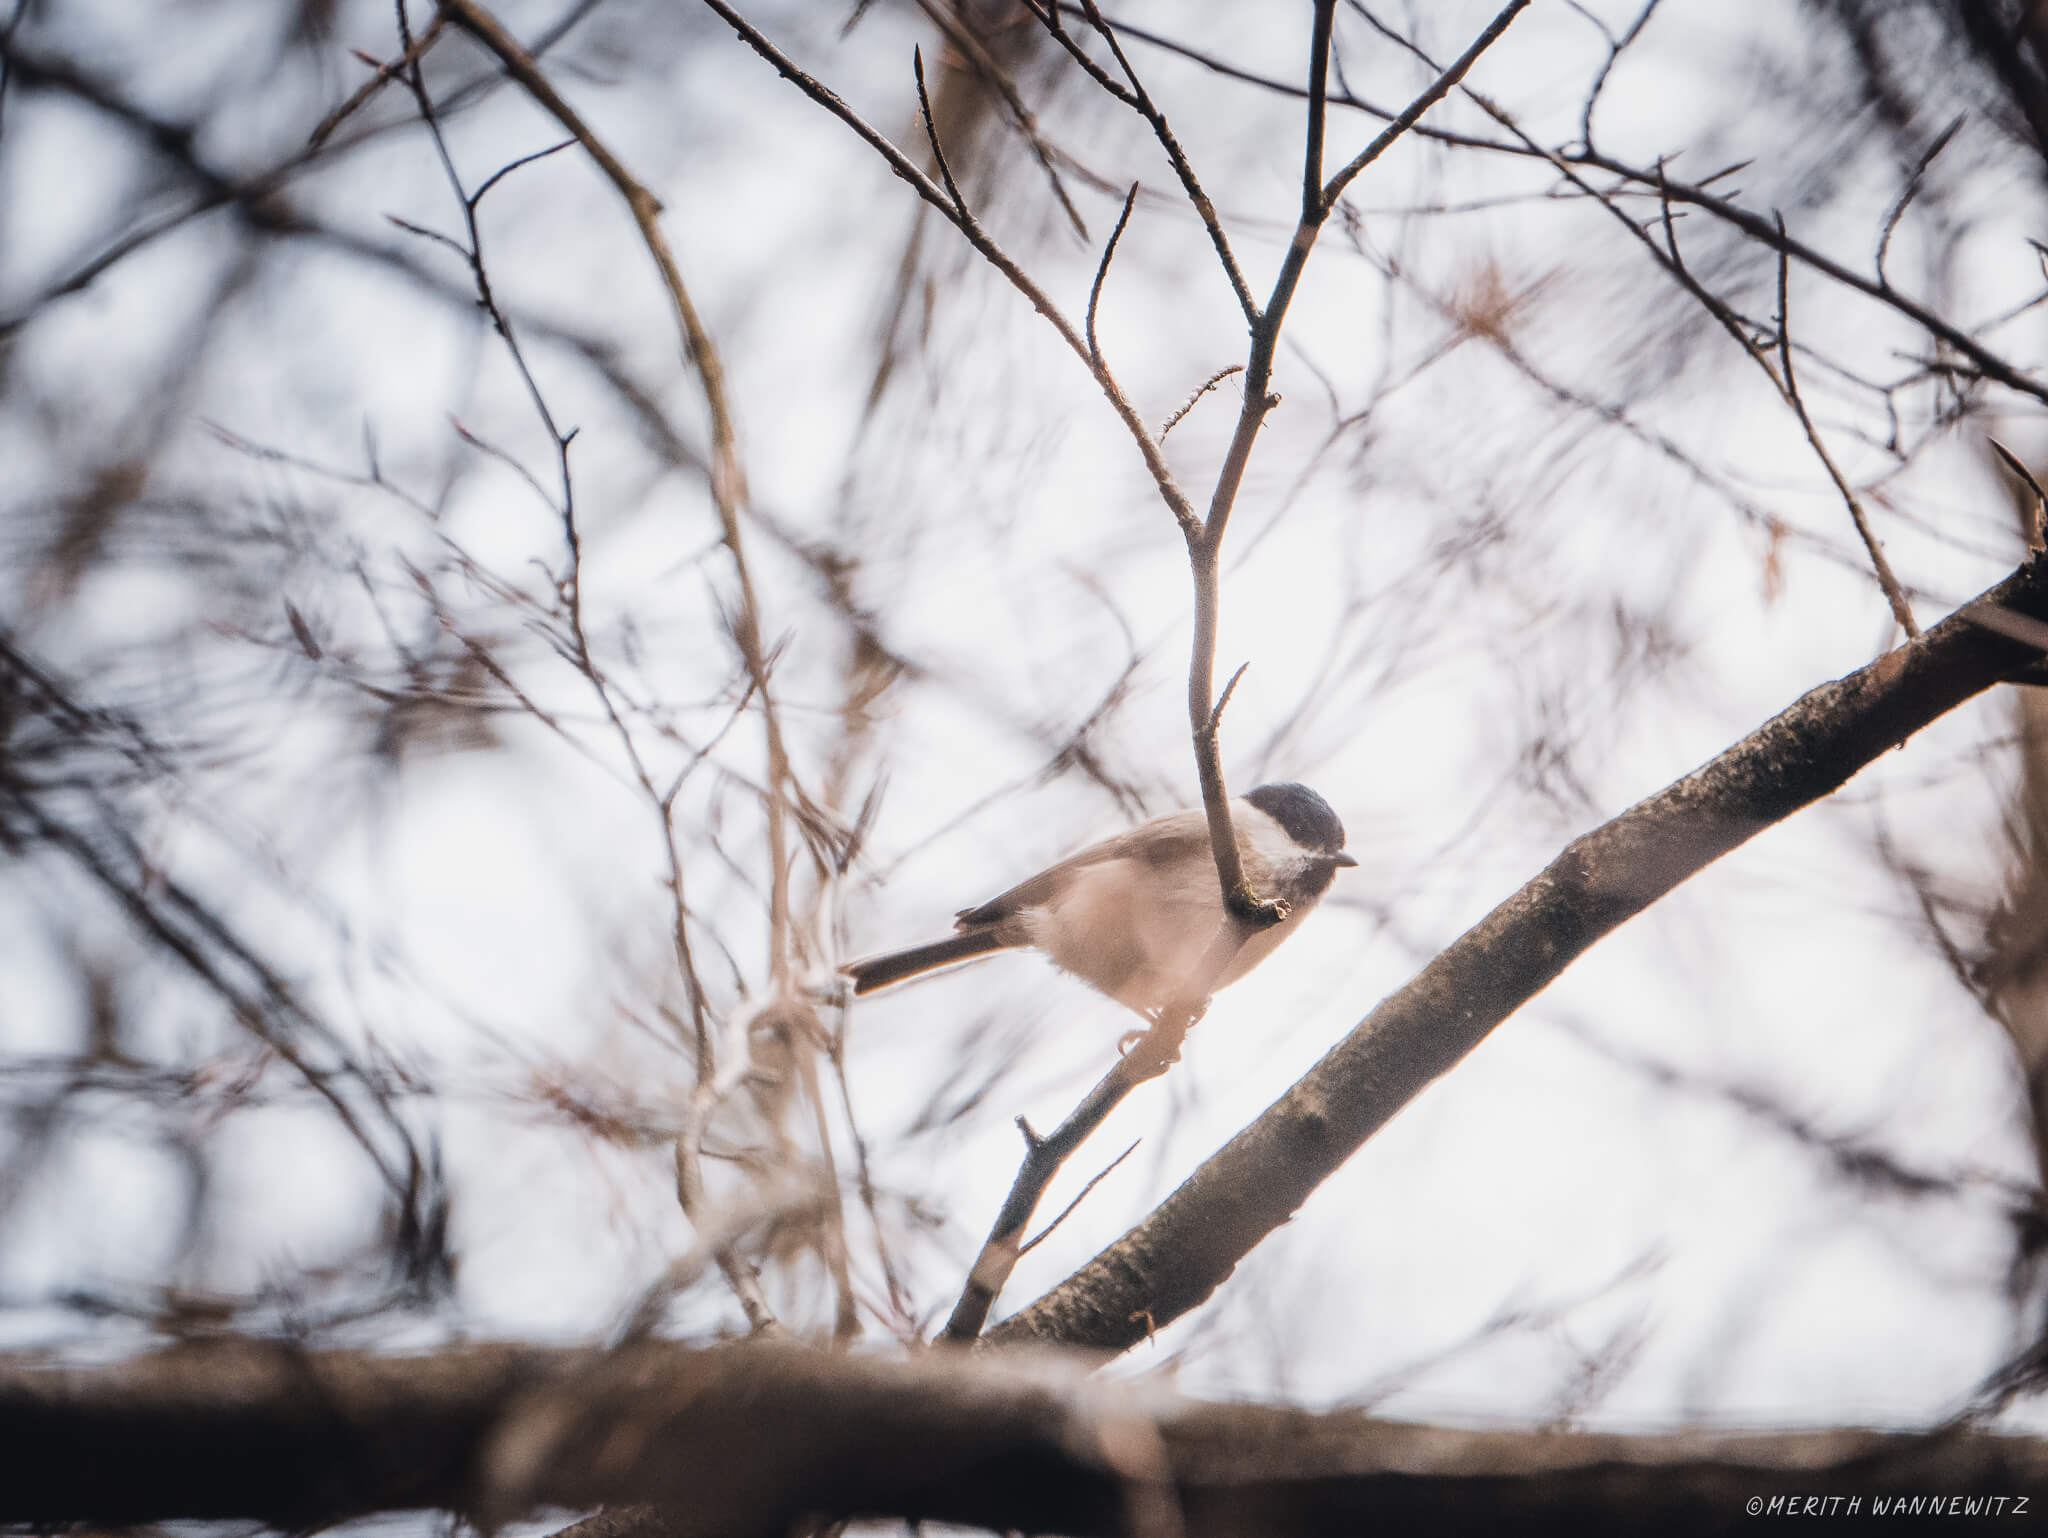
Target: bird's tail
x,y
881,971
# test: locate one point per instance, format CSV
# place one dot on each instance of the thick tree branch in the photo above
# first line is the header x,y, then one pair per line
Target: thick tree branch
x,y
750,1440
1187,1247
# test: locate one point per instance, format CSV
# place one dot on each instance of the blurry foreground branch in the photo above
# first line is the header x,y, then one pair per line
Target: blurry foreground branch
x,y
751,1439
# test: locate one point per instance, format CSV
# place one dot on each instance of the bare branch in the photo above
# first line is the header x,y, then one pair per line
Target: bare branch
x,y
1102,273
1913,181
1147,1057
989,69
1067,1211
931,133
1901,610
1223,699
1615,47
1169,491
1193,400
385,74
756,1439
2037,512
1693,194
1247,906
1437,90
1140,101
510,166
1312,202
1781,377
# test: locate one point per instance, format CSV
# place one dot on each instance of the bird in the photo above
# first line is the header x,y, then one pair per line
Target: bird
x,y
1135,915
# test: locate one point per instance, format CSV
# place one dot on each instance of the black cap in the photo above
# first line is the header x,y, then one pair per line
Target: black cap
x,y
1305,815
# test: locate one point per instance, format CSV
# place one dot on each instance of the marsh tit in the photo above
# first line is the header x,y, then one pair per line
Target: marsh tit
x,y
1135,915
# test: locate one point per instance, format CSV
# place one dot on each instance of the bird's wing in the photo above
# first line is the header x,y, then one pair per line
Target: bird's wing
x,y
1157,843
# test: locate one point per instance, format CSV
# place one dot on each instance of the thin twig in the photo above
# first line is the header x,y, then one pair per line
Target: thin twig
x,y
1102,273
1135,97
931,132
2037,515
1216,715
864,1181
985,65
1901,610
1318,200
1615,47
386,73
832,1247
1193,400
509,167
1429,98
1043,1158
1067,1211
1913,181
1312,203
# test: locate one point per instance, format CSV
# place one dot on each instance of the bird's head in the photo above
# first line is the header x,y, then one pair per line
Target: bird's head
x,y
1307,819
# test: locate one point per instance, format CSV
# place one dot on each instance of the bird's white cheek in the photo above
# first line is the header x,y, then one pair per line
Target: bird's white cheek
x,y
1263,841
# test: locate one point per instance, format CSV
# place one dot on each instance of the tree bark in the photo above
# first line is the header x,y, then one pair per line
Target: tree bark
x,y
743,1440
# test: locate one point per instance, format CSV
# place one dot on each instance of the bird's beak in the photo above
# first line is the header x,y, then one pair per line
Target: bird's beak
x,y
1341,859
